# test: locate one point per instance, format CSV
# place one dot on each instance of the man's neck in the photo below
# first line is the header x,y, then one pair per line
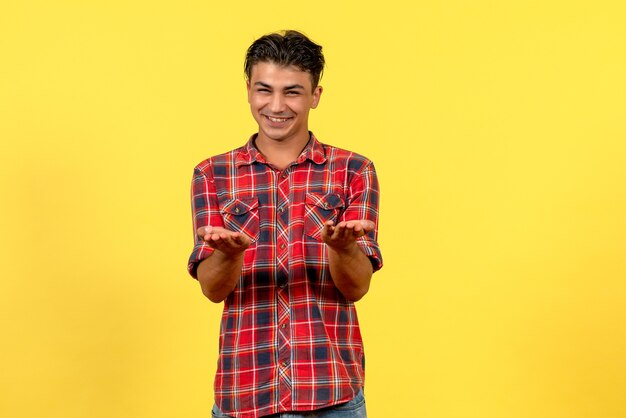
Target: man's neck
x,y
280,154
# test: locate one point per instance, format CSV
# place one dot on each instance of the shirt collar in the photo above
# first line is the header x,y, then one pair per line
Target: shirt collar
x,y
249,153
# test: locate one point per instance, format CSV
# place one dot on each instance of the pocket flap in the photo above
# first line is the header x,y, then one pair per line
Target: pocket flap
x,y
326,201
240,205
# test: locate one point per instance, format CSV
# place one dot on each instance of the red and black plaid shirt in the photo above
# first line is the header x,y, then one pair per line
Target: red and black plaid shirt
x,y
289,340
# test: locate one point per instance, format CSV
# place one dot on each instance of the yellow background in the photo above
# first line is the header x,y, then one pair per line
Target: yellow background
x,y
498,132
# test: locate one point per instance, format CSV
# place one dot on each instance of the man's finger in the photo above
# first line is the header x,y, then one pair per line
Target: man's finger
x,y
367,225
328,229
203,231
340,231
240,239
349,228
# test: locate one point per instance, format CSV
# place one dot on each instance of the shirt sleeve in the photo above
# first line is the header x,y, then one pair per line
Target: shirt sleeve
x,y
205,211
363,198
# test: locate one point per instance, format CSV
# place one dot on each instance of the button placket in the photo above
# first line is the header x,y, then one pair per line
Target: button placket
x,y
283,292
282,220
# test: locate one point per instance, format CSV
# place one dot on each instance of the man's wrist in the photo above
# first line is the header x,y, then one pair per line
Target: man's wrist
x,y
228,256
350,249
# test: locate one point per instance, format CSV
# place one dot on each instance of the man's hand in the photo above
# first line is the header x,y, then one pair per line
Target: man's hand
x,y
345,233
219,273
350,268
228,242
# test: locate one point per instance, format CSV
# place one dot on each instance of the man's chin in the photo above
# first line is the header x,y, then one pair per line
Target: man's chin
x,y
277,135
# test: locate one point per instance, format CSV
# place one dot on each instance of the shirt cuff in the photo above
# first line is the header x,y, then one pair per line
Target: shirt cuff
x,y
200,252
371,250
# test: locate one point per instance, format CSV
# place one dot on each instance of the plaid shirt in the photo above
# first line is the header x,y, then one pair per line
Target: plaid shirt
x,y
289,340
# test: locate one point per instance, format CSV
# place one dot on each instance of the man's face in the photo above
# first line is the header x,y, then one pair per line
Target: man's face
x,y
280,99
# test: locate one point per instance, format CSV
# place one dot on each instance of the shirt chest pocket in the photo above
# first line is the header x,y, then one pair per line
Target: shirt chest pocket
x,y
241,214
319,209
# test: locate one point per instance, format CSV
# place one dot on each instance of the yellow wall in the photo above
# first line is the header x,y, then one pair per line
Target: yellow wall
x,y
498,132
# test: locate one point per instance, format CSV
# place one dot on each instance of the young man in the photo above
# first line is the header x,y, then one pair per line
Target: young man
x,y
286,233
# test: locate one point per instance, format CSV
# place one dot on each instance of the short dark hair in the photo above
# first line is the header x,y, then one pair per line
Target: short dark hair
x,y
287,48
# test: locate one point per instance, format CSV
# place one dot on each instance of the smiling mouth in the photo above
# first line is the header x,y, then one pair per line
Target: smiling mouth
x,y
276,120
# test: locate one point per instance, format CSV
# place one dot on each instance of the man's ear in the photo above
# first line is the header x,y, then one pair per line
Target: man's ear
x,y
317,93
248,89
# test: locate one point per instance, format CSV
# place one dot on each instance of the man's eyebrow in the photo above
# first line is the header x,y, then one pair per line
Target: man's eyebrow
x,y
292,87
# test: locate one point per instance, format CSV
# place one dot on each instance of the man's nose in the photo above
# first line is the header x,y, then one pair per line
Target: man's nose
x,y
277,104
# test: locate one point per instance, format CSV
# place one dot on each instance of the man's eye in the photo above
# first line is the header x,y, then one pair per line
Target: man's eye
x,y
263,90
292,93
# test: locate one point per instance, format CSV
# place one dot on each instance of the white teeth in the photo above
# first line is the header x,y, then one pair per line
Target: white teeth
x,y
276,119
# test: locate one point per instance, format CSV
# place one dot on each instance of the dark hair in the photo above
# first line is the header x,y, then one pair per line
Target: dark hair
x,y
287,48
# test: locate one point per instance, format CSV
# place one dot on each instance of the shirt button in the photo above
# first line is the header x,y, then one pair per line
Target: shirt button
x,y
284,363
282,246
236,210
283,326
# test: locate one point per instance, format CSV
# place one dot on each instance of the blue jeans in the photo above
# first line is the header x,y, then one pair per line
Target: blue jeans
x,y
352,409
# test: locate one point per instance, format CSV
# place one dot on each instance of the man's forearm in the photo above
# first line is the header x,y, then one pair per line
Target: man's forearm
x,y
351,271
218,275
